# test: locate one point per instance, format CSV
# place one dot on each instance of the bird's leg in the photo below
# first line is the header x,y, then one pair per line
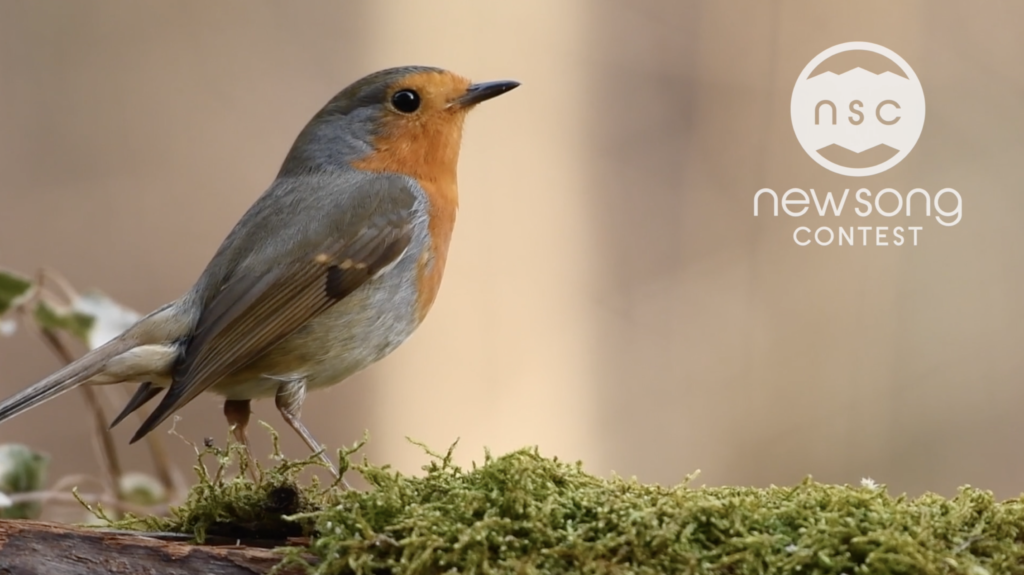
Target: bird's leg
x,y
289,402
237,411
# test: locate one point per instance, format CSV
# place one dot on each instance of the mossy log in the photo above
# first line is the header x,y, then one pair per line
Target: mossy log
x,y
41,548
522,513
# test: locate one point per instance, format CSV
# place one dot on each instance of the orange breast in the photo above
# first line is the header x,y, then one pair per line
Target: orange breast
x,y
425,146
430,270
427,151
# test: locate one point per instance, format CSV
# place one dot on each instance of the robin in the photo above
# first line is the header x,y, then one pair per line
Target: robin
x,y
329,271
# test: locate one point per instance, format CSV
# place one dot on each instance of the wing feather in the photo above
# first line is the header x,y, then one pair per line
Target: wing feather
x,y
254,313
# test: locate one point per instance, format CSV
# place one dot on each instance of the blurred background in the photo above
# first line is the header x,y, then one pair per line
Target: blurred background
x,y
609,294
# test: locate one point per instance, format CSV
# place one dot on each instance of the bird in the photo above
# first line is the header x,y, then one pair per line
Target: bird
x,y
330,270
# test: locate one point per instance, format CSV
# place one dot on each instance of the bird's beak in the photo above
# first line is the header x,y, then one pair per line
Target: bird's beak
x,y
477,93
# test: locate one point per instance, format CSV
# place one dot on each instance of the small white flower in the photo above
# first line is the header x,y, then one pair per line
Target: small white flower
x,y
792,548
5,501
868,483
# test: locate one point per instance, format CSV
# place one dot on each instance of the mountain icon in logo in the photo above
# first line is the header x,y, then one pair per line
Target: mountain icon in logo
x,y
848,158
857,109
867,60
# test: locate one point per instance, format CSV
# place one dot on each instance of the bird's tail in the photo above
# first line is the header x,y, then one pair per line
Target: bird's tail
x,y
71,376
144,349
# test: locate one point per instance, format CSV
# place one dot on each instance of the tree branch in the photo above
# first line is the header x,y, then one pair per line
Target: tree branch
x,y
40,548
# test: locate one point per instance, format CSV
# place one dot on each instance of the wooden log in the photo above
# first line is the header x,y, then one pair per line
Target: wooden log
x,y
42,548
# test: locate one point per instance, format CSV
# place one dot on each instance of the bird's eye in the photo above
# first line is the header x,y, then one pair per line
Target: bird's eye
x,y
406,101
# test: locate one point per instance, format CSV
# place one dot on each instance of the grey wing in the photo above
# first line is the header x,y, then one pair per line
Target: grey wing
x,y
255,312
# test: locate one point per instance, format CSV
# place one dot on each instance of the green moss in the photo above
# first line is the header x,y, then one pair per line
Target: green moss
x,y
525,513
234,506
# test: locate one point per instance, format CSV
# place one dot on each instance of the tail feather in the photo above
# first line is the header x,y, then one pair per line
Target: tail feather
x,y
143,394
69,377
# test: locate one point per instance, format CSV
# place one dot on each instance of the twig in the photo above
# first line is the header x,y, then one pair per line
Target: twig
x,y
102,435
171,481
162,465
104,439
92,499
62,282
161,461
77,479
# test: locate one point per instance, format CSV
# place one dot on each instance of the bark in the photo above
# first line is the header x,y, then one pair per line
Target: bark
x,y
40,548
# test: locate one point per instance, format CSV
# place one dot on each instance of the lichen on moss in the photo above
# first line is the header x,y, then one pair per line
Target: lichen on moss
x,y
526,513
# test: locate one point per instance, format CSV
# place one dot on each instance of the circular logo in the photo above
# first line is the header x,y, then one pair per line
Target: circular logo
x,y
857,109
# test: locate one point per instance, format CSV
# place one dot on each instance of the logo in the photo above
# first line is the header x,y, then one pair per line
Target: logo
x,y
857,109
